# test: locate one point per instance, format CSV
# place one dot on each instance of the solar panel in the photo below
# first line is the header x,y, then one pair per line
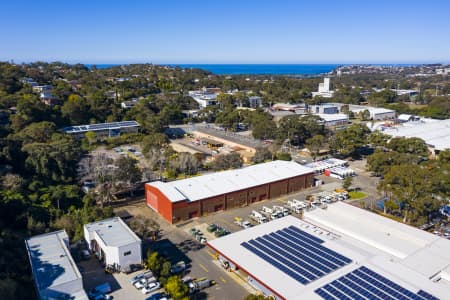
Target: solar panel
x,y
310,236
425,295
363,283
301,256
325,252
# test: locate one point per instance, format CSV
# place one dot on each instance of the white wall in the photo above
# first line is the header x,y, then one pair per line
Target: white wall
x,y
134,258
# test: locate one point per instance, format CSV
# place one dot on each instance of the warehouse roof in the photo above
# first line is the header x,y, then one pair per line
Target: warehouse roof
x,y
99,127
206,186
332,117
404,255
435,134
114,232
52,263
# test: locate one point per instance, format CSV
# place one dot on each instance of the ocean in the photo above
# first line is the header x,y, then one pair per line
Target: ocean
x,y
251,69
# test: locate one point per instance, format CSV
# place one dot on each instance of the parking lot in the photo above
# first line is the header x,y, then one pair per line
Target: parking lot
x,y
177,243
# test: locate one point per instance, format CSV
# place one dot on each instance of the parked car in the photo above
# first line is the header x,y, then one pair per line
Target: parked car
x,y
101,289
146,274
158,296
104,297
178,267
85,254
211,228
152,286
144,282
131,268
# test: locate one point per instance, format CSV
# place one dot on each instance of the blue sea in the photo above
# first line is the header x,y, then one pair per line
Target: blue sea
x,y
251,69
257,69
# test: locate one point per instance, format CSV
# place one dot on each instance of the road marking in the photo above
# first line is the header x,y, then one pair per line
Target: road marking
x,y
211,254
223,279
203,267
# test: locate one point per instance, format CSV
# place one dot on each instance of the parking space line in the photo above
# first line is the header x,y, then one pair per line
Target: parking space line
x,y
211,253
203,267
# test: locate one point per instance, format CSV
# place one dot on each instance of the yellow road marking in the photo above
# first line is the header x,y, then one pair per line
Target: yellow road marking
x,y
238,281
203,267
211,254
223,279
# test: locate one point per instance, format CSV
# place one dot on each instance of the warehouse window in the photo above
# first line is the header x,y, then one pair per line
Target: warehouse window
x,y
126,253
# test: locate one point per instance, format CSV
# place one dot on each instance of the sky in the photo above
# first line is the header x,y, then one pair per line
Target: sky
x,y
225,31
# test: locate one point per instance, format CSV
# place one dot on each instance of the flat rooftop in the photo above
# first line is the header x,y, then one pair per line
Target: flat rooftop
x,y
206,186
52,263
114,232
404,255
99,127
436,134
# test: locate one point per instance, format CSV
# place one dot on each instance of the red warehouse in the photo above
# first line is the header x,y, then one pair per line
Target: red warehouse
x,y
199,196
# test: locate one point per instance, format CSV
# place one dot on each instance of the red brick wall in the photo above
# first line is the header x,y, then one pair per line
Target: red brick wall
x,y
159,202
185,210
213,204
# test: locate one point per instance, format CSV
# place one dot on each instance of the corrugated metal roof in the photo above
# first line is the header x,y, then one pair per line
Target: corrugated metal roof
x,y
435,134
206,186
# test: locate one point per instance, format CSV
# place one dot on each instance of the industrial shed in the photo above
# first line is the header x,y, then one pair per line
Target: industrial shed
x,y
198,196
113,242
55,274
341,252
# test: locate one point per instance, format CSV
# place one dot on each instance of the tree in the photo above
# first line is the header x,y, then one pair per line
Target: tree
x,y
76,109
91,137
380,162
154,140
227,161
185,163
284,156
378,139
412,145
365,115
347,141
315,144
262,127
56,159
165,269
261,155
413,186
347,182
127,170
176,288
154,262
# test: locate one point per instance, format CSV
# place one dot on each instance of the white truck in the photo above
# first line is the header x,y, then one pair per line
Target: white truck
x,y
296,205
200,284
258,217
271,213
281,209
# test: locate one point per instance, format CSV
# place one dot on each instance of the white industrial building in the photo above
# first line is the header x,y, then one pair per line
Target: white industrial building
x,y
55,274
435,133
113,242
334,120
204,98
341,252
324,89
103,130
376,113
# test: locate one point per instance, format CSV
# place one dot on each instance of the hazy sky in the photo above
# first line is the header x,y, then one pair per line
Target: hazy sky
x,y
227,31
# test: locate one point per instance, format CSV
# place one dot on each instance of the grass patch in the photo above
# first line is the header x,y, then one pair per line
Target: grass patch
x,y
357,195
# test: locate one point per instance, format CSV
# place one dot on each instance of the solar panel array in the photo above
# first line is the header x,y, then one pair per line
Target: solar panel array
x,y
364,283
103,126
296,253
